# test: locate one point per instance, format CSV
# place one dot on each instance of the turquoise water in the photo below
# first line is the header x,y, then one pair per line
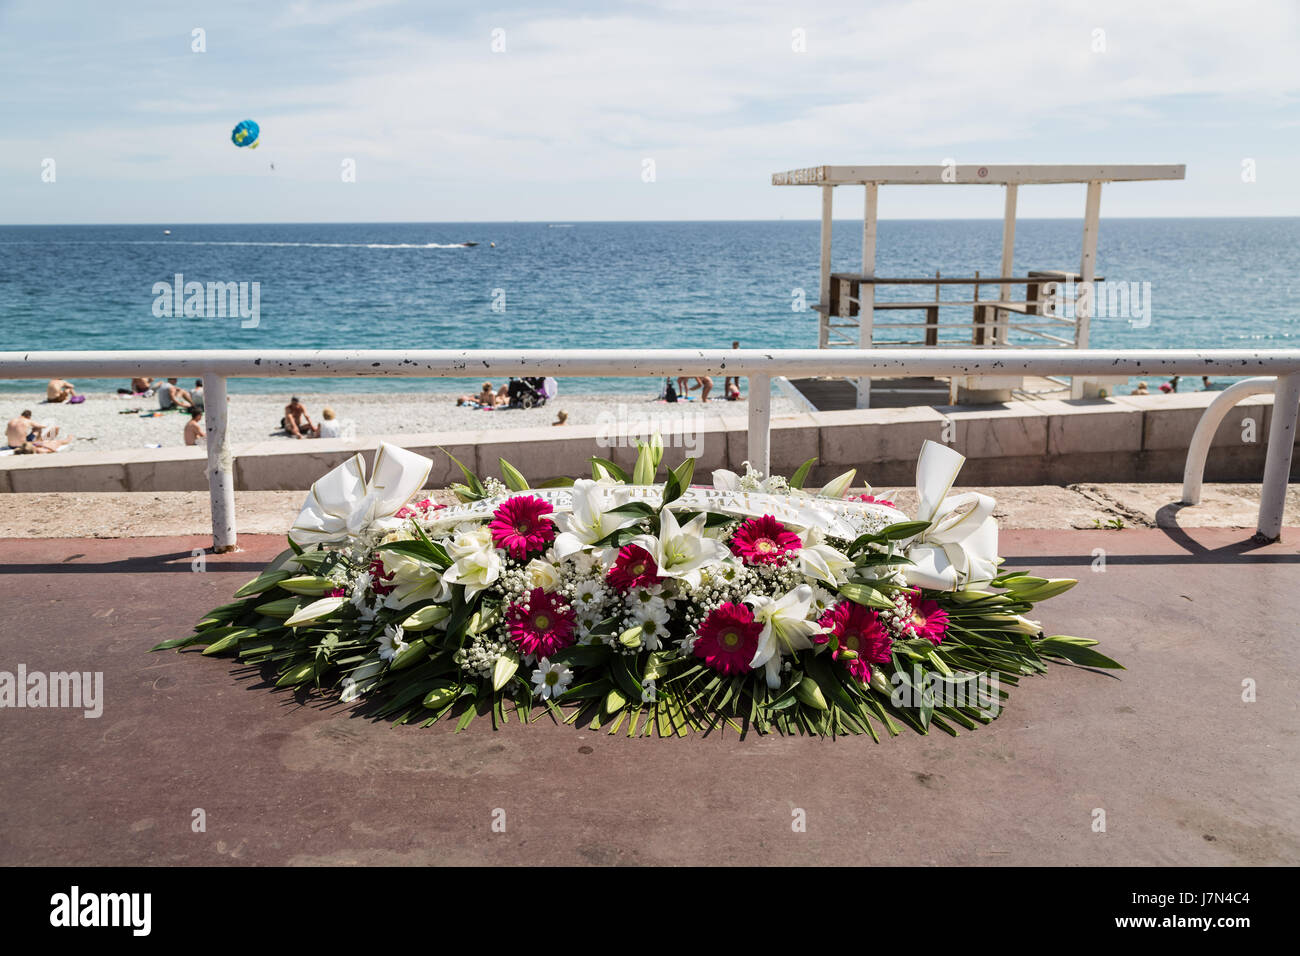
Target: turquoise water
x,y
1214,283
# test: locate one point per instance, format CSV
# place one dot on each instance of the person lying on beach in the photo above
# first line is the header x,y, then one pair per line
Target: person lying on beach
x,y
141,385
296,421
171,395
57,390
47,447
193,429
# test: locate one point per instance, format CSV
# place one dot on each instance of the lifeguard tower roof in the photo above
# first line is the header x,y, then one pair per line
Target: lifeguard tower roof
x,y
852,315
989,175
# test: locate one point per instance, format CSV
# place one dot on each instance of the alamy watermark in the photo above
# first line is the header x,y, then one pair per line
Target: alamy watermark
x,y
1100,300
624,427
79,690
216,300
961,689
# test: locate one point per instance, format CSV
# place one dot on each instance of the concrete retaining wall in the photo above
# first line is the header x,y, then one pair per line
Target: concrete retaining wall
x,y
1123,439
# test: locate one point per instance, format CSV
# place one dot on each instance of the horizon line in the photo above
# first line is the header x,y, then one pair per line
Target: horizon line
x,y
538,222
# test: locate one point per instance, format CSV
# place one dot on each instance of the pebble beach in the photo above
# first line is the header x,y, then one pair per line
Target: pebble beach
x,y
110,422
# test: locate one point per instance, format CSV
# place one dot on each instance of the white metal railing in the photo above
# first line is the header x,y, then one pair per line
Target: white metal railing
x,y
758,365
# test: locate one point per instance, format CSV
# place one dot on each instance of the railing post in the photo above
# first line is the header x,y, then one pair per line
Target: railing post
x,y
1277,464
221,464
1199,447
760,421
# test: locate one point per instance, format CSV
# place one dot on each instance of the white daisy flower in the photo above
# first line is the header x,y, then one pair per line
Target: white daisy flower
x,y
551,680
391,642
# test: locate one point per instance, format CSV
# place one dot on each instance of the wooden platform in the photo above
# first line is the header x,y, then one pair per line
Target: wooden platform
x,y
839,394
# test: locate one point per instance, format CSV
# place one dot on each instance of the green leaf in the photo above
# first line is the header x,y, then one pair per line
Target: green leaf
x,y
1084,656
801,473
263,582
471,479
514,480
901,530
614,470
562,481
679,479
422,550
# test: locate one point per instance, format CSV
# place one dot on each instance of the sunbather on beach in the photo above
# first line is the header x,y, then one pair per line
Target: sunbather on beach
x,y
194,428
57,390
22,429
171,395
47,447
330,426
296,421
141,385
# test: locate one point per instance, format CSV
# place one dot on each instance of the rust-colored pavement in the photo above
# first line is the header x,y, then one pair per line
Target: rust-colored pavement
x,y
1184,769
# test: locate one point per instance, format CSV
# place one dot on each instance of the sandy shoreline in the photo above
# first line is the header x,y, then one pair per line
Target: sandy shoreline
x,y
110,422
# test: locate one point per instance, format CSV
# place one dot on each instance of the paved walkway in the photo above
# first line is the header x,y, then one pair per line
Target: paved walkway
x,y
1185,771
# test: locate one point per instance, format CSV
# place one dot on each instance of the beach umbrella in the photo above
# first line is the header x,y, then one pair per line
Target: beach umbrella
x,y
245,133
550,388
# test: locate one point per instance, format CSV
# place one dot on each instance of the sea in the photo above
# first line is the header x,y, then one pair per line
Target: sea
x,y
1213,283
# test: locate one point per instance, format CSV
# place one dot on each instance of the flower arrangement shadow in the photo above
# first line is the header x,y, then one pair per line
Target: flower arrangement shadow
x,y
644,606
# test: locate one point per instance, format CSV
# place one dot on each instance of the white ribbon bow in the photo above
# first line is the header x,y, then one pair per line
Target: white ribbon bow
x,y
960,548
343,503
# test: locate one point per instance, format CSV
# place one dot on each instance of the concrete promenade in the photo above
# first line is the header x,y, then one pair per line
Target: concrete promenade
x,y
1186,772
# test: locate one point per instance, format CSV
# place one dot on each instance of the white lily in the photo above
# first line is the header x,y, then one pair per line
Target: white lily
x,y
414,580
823,563
590,520
836,487
681,551
786,628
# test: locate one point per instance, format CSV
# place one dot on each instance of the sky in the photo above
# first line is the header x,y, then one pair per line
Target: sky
x,y
453,112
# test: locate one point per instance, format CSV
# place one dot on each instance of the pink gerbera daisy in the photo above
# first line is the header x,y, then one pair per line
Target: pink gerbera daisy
x,y
520,526
542,625
728,639
928,619
764,541
857,629
634,567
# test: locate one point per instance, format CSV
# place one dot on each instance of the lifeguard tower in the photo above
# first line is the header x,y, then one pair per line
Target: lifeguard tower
x,y
851,315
